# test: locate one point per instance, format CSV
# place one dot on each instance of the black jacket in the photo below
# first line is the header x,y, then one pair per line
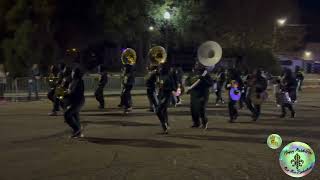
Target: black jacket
x,y
151,79
202,89
167,85
103,80
76,92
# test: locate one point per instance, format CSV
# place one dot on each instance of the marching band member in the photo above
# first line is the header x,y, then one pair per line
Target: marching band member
x,y
103,80
167,88
66,80
288,88
53,83
220,83
244,77
300,78
199,95
234,86
151,80
257,93
75,97
127,85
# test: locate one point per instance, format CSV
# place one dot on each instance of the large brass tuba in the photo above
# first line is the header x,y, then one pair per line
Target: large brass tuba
x,y
157,55
129,56
209,53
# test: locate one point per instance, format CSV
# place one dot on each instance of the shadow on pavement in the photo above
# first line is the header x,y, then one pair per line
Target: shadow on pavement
x,y
119,123
267,132
138,143
256,140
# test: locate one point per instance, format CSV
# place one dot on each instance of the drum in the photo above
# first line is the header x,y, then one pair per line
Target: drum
x,y
235,94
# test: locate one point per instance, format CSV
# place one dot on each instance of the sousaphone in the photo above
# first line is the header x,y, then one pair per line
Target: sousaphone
x,y
209,54
129,56
157,55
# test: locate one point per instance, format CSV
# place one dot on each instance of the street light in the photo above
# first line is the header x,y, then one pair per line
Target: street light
x,y
151,28
282,21
307,53
167,15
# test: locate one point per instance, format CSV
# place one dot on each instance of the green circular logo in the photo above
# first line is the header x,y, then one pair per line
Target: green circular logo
x,y
274,141
297,159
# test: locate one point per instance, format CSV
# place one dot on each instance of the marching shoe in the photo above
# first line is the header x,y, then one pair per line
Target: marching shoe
x,y
293,114
282,116
53,113
205,126
195,126
77,134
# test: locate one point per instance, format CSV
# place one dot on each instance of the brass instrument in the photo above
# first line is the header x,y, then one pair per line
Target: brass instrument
x,y
52,80
129,56
209,53
157,55
60,92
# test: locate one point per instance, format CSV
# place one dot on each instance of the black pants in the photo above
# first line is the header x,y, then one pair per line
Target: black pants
x,y
126,99
198,109
153,99
54,100
293,95
286,105
254,108
233,112
242,99
300,84
219,94
99,96
162,110
71,116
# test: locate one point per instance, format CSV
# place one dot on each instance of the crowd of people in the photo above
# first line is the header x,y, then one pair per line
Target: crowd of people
x,y
165,85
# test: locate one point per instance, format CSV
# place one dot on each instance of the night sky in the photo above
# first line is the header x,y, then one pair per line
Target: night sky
x,y
310,14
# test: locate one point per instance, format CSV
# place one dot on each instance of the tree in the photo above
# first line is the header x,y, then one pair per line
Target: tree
x,y
29,37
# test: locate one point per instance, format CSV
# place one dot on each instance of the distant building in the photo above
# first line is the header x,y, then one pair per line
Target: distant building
x,y
308,60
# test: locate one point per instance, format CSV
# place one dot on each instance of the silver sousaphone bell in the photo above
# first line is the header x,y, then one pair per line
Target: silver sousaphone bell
x,y
209,53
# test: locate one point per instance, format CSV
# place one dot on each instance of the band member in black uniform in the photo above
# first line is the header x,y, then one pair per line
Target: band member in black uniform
x,y
167,87
199,95
300,78
127,85
103,80
173,74
179,76
258,86
244,77
66,80
234,81
221,78
151,81
288,85
75,98
53,83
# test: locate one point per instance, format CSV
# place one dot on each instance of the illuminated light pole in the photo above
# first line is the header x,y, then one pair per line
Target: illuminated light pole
x,y
151,28
279,23
167,17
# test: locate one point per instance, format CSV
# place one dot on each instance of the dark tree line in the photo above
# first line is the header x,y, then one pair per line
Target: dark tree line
x,y
33,31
